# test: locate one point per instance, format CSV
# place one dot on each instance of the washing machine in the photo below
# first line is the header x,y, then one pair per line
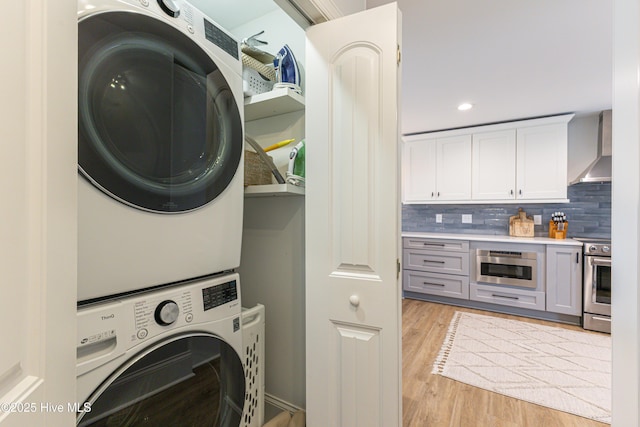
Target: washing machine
x,y
169,357
160,146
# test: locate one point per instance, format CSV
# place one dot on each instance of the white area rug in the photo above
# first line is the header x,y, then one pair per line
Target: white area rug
x,y
558,368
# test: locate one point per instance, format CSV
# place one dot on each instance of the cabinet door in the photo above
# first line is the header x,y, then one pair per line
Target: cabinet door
x,y
494,165
564,280
352,225
453,171
419,170
542,162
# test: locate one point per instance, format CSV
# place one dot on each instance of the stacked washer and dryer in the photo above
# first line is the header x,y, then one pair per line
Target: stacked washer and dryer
x,y
162,336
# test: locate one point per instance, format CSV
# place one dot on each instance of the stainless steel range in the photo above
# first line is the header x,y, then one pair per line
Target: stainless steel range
x,y
597,285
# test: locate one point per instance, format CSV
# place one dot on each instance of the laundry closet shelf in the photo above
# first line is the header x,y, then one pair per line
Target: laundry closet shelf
x,y
273,190
272,103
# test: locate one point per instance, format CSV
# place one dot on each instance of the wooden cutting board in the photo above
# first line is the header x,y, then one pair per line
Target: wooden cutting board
x,y
521,225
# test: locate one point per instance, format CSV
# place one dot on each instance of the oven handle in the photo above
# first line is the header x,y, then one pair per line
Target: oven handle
x,y
606,262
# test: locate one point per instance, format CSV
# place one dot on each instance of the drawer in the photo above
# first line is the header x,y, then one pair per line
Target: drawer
x,y
445,285
437,261
532,300
436,244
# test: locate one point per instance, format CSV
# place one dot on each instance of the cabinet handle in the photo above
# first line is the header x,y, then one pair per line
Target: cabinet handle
x,y
438,194
435,262
434,284
520,192
504,296
432,194
434,244
511,192
577,258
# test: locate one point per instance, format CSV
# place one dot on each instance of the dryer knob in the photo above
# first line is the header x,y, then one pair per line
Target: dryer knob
x,y
167,312
170,7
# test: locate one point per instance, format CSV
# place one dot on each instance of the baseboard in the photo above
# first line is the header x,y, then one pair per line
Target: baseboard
x,y
281,403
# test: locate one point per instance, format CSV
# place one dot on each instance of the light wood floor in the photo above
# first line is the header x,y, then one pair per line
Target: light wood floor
x,y
432,400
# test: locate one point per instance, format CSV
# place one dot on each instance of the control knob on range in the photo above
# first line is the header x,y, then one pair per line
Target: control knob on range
x,y
592,248
606,249
167,312
169,7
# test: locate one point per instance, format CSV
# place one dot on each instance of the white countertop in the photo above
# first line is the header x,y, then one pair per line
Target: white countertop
x,y
493,238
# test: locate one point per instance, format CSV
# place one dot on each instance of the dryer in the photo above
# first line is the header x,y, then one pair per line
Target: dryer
x,y
165,357
160,146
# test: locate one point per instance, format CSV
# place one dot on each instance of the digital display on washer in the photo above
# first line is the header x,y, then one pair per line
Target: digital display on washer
x,y
221,39
220,294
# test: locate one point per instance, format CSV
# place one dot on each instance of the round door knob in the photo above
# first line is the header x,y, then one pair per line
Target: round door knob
x,y
167,312
354,300
169,7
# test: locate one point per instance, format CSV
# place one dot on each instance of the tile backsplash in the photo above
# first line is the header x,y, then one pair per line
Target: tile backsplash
x,y
588,214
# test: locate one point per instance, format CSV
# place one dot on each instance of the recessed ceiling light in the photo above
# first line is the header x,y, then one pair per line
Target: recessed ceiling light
x,y
464,107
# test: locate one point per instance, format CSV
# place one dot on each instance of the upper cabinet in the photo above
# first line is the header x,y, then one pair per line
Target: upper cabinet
x,y
437,169
494,165
516,162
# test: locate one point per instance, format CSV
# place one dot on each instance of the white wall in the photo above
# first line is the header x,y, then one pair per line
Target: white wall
x,y
583,142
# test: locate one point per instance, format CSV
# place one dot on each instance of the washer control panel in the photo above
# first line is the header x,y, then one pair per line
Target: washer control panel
x,y
218,295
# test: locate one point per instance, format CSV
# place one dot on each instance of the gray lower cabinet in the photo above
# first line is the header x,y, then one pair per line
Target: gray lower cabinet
x,y
436,267
513,297
564,280
446,285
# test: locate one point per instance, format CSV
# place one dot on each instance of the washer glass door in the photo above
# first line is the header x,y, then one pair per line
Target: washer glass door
x,y
158,126
191,380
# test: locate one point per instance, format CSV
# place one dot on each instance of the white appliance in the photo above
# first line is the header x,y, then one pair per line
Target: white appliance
x,y
170,357
160,146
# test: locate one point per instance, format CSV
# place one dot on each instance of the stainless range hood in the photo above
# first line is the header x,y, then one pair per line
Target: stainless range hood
x,y
600,169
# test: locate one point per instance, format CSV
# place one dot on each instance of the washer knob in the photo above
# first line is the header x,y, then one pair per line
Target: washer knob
x,y
167,312
169,7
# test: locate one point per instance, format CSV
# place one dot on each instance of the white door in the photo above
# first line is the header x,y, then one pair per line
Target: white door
x,y
38,223
353,311
494,165
418,170
453,160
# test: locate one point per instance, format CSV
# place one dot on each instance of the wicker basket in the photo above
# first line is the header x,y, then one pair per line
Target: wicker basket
x,y
256,172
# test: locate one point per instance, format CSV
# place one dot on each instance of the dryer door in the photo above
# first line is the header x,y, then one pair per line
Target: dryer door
x,y
191,380
158,126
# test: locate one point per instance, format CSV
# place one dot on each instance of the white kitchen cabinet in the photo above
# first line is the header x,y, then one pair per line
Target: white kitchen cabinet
x,y
514,162
494,165
542,162
419,170
564,280
453,168
437,169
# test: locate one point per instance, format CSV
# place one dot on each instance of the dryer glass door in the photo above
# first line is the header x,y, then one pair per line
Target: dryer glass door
x,y
158,125
192,380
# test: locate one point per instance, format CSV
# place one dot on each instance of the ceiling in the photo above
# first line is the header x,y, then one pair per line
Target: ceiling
x,y
512,59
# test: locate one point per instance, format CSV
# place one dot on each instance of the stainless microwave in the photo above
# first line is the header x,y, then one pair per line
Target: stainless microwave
x,y
509,268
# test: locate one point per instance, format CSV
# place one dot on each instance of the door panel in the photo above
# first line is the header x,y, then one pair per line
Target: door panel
x,y
353,221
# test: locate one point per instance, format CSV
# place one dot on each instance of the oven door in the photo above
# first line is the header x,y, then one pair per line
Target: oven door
x,y
507,270
597,285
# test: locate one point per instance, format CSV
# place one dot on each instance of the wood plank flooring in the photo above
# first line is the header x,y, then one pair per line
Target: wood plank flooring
x,y
432,400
